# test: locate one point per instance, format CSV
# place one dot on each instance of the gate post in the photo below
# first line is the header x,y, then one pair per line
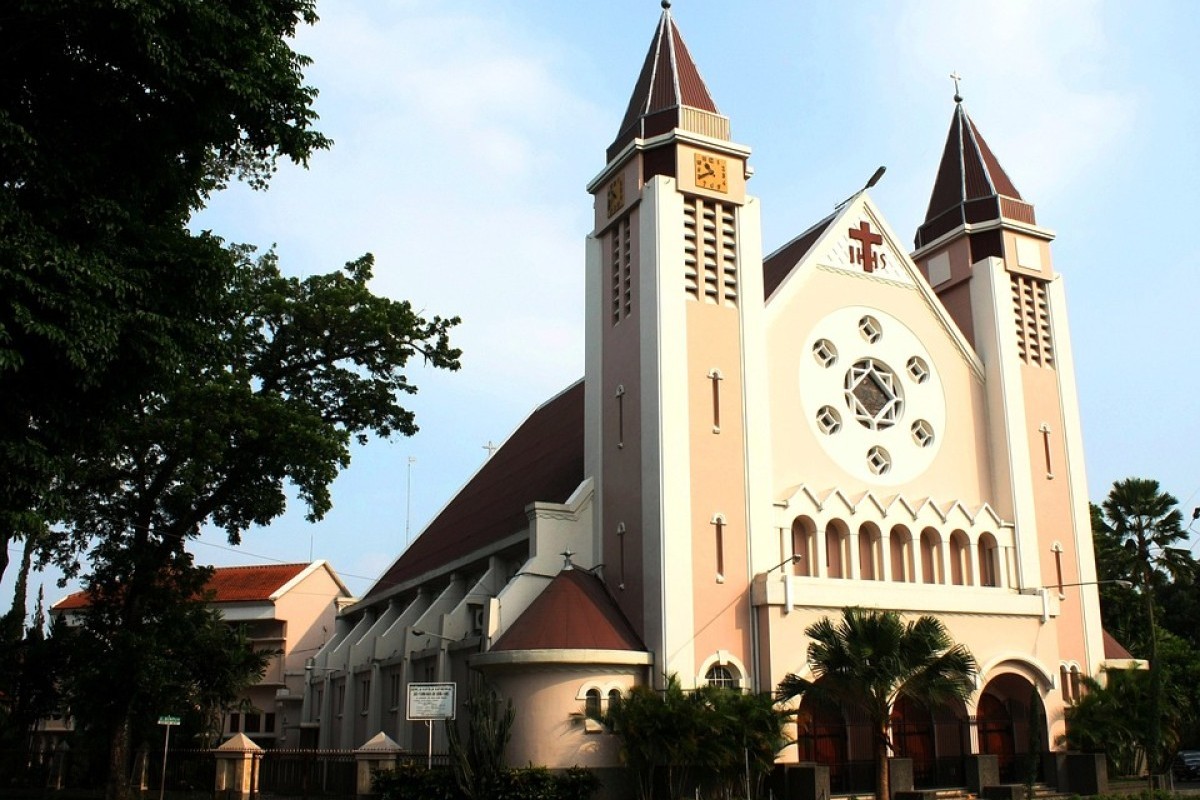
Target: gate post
x,y
237,768
900,775
378,754
983,770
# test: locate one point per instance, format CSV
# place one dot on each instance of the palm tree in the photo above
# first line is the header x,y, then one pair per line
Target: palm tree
x,y
1148,525
872,658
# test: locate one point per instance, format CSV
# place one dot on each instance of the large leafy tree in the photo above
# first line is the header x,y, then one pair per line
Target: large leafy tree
x,y
1145,528
117,120
290,373
871,658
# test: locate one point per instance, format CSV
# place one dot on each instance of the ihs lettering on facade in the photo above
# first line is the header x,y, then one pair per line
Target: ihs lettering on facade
x,y
864,253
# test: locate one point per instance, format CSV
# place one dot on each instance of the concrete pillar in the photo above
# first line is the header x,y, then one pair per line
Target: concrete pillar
x,y
803,781
58,766
379,754
982,770
900,775
237,768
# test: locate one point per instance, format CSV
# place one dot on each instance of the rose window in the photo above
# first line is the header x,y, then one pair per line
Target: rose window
x,y
873,394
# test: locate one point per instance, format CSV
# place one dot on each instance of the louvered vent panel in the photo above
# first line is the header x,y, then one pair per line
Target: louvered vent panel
x,y
691,272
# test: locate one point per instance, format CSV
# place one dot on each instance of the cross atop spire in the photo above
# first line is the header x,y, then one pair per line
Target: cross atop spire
x,y
667,89
954,76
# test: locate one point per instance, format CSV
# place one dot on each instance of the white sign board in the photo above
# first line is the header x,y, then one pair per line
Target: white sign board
x,y
431,701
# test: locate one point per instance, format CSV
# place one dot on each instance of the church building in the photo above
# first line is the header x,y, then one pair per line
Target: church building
x,y
760,439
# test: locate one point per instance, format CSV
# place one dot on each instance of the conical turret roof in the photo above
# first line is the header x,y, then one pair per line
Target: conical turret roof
x,y
668,84
971,186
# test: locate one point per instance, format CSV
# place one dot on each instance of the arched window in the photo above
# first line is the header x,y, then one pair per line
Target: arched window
x,y
804,545
989,566
870,554
931,556
835,549
720,675
960,559
901,547
591,703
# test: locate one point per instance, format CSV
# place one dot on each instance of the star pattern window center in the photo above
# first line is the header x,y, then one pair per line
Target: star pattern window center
x,y
873,394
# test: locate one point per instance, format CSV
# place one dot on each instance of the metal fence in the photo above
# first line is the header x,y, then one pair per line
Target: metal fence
x,y
189,774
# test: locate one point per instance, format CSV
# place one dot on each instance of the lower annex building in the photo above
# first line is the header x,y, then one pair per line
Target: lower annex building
x,y
758,441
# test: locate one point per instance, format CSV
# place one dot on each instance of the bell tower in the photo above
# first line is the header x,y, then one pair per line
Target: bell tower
x,y
989,261
673,281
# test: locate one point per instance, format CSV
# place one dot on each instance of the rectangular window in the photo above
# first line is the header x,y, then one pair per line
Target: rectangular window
x,y
394,684
252,723
364,691
235,721
268,723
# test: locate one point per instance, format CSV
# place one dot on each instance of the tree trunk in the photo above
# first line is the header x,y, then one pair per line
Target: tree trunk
x,y
883,779
118,762
1155,734
21,589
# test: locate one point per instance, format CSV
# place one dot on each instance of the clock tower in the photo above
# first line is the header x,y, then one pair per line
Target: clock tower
x,y
674,296
989,262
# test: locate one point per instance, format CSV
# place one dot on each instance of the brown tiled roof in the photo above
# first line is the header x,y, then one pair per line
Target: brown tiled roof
x,y
1113,649
668,81
778,265
573,612
542,461
227,585
971,186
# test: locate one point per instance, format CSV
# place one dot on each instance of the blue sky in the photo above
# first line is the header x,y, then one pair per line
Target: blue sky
x,y
466,131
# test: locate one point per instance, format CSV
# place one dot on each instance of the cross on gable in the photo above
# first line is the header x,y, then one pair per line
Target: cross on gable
x,y
865,255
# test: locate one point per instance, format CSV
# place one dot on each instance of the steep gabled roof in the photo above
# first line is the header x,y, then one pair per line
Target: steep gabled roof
x,y
227,585
971,186
779,265
573,612
669,81
541,461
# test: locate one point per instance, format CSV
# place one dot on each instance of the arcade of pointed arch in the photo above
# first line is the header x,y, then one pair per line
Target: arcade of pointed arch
x,y
1008,664
898,541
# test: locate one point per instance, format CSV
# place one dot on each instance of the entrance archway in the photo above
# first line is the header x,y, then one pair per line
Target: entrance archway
x,y
935,739
1011,723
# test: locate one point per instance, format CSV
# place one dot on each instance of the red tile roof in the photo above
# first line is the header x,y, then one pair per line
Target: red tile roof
x,y
227,585
668,81
573,612
541,462
1113,649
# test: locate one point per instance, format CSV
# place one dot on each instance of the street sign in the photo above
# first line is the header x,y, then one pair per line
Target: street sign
x,y
431,701
168,720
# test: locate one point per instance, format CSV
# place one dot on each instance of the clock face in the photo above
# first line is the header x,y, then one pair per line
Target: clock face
x,y
711,173
872,396
616,195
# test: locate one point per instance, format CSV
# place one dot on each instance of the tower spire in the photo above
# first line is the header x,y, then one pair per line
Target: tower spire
x,y
971,186
669,93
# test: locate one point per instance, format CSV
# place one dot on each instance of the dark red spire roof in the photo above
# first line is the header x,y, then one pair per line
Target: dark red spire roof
x,y
971,186
573,612
669,81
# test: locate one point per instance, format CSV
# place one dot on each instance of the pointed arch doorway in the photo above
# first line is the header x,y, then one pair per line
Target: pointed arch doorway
x,y
1010,721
